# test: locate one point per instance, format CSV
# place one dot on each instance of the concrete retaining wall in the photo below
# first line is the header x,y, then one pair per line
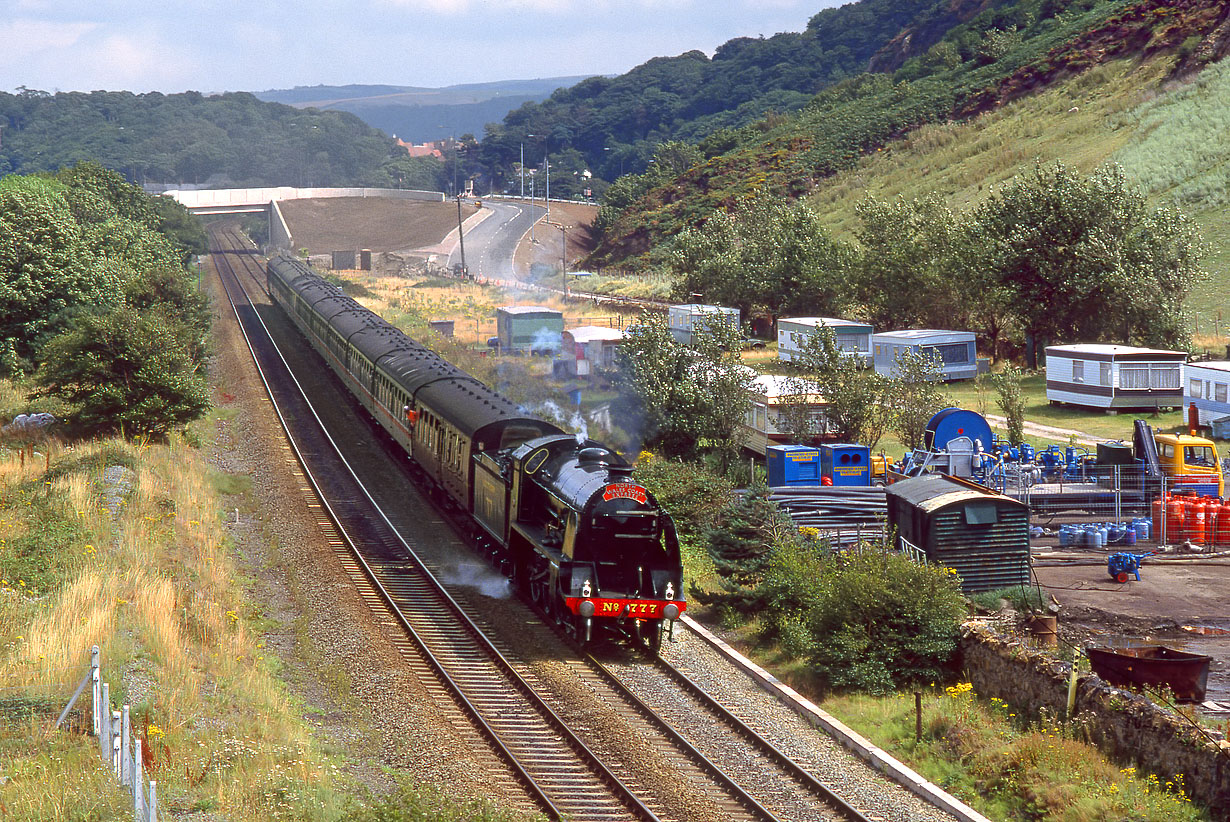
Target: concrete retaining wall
x,y
279,232
1129,728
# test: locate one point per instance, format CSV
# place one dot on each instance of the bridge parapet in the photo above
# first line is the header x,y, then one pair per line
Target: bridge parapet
x,y
251,200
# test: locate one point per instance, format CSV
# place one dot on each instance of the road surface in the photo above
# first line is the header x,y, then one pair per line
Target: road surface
x,y
490,245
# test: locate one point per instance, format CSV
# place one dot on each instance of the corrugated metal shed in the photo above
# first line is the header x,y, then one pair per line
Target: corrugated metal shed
x,y
982,535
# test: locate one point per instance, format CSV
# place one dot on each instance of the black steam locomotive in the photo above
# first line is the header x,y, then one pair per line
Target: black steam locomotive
x,y
562,517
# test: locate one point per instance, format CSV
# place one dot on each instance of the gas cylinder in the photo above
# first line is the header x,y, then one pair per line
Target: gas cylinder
x,y
1211,521
1197,513
1173,532
1223,525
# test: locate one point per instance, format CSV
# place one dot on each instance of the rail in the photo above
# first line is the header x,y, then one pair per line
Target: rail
x,y
568,797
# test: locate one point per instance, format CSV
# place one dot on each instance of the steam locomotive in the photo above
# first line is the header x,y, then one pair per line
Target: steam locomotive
x,y
560,515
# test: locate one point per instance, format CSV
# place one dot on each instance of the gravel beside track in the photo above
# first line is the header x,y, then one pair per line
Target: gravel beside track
x,y
855,781
337,657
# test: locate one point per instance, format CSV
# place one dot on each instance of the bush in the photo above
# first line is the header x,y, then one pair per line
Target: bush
x,y
881,622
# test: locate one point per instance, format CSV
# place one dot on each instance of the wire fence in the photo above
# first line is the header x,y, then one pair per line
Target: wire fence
x,y
50,691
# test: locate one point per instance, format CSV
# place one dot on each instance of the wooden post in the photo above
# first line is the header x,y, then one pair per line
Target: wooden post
x,y
138,795
918,716
104,725
1072,685
125,760
94,676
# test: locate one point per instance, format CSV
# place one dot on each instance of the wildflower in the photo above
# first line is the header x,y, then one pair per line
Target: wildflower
x,y
154,730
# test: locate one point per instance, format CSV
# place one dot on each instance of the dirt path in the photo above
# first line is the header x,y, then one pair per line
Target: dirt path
x,y
1050,432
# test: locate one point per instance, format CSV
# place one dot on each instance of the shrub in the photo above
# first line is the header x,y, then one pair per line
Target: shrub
x,y
882,622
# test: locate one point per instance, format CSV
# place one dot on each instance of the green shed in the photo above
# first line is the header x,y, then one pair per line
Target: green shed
x,y
529,328
982,535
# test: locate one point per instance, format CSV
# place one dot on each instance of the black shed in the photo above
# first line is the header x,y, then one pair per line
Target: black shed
x,y
982,535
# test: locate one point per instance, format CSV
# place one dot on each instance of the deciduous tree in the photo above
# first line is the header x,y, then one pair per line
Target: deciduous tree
x,y
1087,259
685,399
123,373
858,405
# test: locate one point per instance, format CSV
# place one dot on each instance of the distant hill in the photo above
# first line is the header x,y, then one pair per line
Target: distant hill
x,y
223,140
417,114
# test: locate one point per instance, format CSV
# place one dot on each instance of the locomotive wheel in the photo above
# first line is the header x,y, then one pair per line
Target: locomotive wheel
x,y
1122,576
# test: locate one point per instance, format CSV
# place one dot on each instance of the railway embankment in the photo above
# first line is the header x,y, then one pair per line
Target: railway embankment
x,y
1128,727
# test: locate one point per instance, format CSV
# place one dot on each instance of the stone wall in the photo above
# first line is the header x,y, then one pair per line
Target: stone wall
x,y
1129,728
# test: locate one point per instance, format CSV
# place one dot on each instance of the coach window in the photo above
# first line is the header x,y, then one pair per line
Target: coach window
x,y
1194,388
1219,392
1078,370
1104,373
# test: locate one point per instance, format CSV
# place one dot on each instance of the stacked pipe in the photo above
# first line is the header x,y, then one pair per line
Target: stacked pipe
x,y
844,514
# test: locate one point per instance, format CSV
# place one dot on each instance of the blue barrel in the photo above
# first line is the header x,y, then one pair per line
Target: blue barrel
x,y
1129,535
1114,533
1103,533
1144,527
1066,533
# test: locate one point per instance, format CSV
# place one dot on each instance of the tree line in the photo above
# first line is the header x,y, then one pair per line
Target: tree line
x,y
227,139
99,315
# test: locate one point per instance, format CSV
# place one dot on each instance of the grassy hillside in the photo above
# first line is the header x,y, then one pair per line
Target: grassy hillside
x,y
1163,133
1140,110
848,126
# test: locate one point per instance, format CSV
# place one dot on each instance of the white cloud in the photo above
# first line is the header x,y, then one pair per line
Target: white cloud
x,y
25,39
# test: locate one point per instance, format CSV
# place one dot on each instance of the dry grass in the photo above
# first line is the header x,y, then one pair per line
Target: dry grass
x,y
411,304
156,587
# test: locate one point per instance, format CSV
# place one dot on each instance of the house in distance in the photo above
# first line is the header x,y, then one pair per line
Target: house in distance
x,y
956,351
533,329
685,320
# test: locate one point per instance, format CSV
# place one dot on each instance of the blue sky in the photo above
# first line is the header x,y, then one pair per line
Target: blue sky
x,y
221,45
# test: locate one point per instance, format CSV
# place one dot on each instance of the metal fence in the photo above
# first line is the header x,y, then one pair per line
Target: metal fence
x,y
117,744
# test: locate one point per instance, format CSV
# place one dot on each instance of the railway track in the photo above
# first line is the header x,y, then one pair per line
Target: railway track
x,y
556,768
528,719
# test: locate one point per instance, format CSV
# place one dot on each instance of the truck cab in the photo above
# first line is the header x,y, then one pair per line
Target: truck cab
x,y
1191,461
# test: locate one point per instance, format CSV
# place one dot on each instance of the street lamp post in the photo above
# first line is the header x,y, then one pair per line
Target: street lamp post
x,y
621,160
523,171
461,237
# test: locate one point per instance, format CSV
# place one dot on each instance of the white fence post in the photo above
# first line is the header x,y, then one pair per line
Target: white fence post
x,y
104,725
115,742
97,680
153,801
138,795
125,756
